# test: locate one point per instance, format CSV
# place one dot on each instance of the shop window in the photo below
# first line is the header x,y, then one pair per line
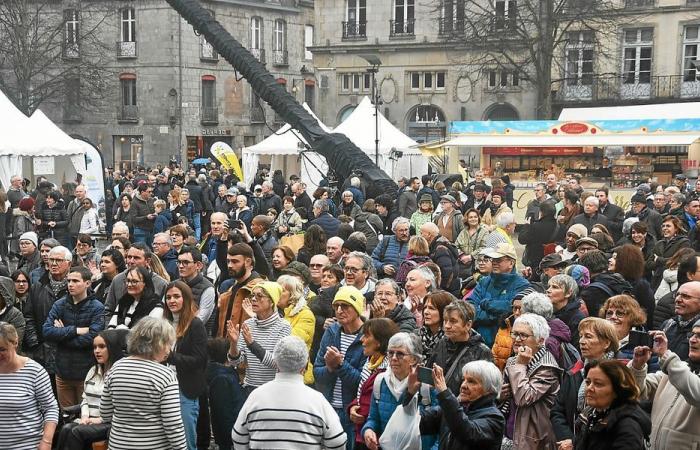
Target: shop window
x,y
637,55
691,42
579,58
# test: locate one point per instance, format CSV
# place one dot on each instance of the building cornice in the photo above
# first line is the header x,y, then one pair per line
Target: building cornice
x,y
384,47
270,6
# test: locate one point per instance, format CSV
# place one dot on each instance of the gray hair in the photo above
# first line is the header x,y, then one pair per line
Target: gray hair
x,y
63,251
465,310
390,281
366,262
679,198
150,336
242,197
321,204
202,178
539,326
409,341
121,225
290,355
50,242
537,303
167,237
504,219
627,225
428,275
348,193
184,190
488,373
355,182
267,183
359,235
399,221
567,283
293,285
592,200
8,333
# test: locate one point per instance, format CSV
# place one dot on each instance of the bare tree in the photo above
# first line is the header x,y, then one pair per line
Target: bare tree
x,y
51,51
527,38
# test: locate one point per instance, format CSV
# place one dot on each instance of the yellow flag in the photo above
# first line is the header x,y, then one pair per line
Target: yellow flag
x,y
226,156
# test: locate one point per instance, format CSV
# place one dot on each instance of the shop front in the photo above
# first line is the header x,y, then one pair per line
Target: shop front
x,y
127,151
199,146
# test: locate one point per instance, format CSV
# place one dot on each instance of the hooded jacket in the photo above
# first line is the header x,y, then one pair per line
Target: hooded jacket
x,y
445,354
140,209
625,427
371,226
669,283
595,297
403,317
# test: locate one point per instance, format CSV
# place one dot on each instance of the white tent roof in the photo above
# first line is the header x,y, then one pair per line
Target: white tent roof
x,y
689,110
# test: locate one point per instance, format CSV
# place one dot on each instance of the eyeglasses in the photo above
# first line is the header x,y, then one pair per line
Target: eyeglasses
x,y
184,263
315,266
398,355
259,296
695,336
520,336
159,243
353,270
613,312
684,296
56,261
132,282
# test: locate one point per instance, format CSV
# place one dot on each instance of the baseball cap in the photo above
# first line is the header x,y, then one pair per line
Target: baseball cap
x,y
501,250
232,191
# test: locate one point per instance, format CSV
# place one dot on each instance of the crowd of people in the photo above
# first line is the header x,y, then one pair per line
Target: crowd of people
x,y
262,317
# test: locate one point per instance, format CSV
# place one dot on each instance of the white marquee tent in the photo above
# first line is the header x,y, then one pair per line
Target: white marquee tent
x,y
360,128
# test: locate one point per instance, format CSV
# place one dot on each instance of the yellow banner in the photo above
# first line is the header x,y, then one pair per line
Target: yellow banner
x,y
226,156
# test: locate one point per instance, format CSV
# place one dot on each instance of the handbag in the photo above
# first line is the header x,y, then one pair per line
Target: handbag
x,y
293,241
402,431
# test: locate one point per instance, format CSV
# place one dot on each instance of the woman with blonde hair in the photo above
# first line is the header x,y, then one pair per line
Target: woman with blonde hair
x,y
158,267
296,311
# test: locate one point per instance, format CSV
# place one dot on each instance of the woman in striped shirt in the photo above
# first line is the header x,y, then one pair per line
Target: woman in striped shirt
x,y
141,397
28,408
108,348
260,334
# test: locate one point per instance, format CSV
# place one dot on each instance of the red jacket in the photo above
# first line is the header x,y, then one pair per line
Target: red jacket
x,y
364,402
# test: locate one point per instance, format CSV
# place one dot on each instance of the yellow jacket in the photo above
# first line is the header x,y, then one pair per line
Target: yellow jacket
x,y
303,326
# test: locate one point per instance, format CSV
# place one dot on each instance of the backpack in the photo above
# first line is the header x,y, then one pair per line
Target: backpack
x,y
608,290
569,356
424,390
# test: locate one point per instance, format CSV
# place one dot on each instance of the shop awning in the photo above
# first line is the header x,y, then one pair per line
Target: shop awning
x,y
602,140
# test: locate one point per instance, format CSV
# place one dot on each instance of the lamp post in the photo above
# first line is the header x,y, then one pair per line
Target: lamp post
x,y
375,62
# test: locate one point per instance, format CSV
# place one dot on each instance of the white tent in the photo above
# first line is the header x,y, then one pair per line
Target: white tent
x,y
360,128
690,110
62,140
286,141
22,137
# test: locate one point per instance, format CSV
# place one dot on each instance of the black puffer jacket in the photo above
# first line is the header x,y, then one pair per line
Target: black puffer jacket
x,y
665,309
56,214
625,427
534,236
464,426
594,296
196,196
445,354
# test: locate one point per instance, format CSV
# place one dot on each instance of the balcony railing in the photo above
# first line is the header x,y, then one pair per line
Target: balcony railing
x,y
354,30
209,115
128,113
259,54
126,49
639,3
280,58
71,50
612,88
449,27
207,52
402,28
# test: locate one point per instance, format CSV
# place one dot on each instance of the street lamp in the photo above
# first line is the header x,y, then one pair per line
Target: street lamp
x,y
375,62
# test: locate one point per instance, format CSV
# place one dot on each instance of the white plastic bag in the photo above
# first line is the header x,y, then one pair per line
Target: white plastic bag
x,y
402,432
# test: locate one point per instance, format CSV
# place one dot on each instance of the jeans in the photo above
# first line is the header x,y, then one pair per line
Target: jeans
x,y
197,225
74,436
348,427
189,410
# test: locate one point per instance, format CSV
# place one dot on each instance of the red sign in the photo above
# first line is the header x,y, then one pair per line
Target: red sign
x,y
534,151
574,128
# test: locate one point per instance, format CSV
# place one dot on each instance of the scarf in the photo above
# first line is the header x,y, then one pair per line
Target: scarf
x,y
509,410
301,304
396,387
58,287
581,395
375,361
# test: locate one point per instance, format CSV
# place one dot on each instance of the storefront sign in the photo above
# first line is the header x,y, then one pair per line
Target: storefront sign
x,y
44,165
574,128
215,132
536,151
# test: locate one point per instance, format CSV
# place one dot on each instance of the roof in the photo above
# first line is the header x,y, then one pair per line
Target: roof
x,y
686,110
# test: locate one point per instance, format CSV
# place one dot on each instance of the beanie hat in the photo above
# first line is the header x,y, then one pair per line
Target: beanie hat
x,y
638,198
352,296
30,236
26,204
272,289
579,273
355,245
578,229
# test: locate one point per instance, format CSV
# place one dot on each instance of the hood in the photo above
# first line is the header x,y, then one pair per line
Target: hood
x,y
475,338
614,281
633,412
559,330
671,276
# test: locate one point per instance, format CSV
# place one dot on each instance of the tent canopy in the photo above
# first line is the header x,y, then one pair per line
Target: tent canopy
x,y
689,110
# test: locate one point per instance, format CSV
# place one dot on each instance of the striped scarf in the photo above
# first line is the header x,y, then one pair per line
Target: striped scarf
x,y
539,359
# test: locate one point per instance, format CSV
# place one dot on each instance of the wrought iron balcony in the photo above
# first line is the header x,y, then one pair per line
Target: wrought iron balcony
x,y
614,88
449,27
207,52
259,54
209,115
355,30
70,50
280,58
402,28
128,114
639,3
126,49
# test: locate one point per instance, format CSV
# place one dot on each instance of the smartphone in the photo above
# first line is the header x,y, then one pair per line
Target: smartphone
x,y
425,375
236,224
640,339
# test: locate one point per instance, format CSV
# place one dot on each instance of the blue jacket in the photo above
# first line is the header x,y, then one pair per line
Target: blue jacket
x,y
394,253
381,409
357,195
170,263
492,299
74,352
349,371
329,224
163,222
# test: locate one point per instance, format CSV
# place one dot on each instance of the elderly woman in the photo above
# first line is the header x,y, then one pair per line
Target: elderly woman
x,y
288,221
612,418
472,419
624,313
348,206
498,207
460,345
433,312
531,382
472,238
375,341
387,296
674,238
563,293
391,388
259,335
28,410
296,311
419,282
598,341
418,254
141,397
674,413
281,257
628,261
559,332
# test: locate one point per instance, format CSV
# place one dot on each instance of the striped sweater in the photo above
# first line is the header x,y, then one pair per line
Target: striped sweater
x,y
92,392
26,404
304,419
258,356
142,402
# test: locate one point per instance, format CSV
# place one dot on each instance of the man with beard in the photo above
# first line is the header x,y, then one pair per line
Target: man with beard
x,y
239,262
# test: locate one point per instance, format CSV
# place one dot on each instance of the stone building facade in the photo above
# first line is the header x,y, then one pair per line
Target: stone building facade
x,y
173,96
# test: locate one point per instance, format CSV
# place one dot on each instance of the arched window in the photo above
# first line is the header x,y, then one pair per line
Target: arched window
x,y
345,112
501,111
426,123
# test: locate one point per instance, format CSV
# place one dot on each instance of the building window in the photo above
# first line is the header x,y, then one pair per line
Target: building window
x,y
128,28
691,42
427,81
452,16
256,36
404,18
209,110
355,19
71,36
356,82
308,41
206,50
502,78
279,43
579,58
505,14
257,113
129,107
309,93
637,53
